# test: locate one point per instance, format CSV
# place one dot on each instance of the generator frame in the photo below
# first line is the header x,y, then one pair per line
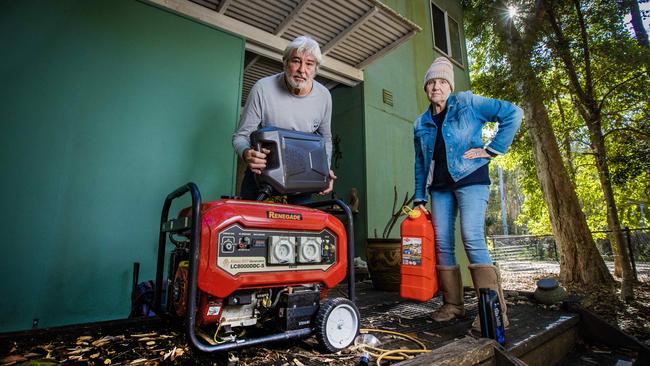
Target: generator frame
x,y
193,224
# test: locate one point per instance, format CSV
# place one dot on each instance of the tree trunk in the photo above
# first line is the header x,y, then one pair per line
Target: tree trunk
x,y
597,144
617,237
590,111
566,141
637,22
580,262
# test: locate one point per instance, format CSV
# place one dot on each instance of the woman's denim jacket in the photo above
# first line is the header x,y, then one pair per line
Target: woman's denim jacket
x,y
462,130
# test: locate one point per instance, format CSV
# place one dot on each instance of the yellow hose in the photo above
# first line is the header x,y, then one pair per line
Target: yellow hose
x,y
388,354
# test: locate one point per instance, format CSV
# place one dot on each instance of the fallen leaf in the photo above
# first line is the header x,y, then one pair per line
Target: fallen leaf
x,y
151,343
13,359
138,361
169,354
102,341
180,352
140,335
107,361
146,339
431,334
84,338
76,351
46,347
597,351
298,363
589,360
94,355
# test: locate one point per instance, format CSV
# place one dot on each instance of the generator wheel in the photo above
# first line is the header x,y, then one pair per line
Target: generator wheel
x,y
337,324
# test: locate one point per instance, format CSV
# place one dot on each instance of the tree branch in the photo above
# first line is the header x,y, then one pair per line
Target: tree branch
x,y
582,112
610,91
637,22
534,23
562,50
627,129
585,45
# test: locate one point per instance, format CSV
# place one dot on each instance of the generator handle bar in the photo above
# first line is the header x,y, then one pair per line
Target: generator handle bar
x,y
349,228
162,239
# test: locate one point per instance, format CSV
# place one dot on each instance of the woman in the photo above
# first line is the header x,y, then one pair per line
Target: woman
x,y
451,164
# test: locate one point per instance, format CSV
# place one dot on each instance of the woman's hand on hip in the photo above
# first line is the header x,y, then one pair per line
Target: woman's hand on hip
x,y
476,153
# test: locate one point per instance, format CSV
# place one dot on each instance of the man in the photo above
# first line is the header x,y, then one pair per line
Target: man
x,y
291,100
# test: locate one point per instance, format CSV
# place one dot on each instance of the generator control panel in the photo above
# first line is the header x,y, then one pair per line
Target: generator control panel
x,y
244,250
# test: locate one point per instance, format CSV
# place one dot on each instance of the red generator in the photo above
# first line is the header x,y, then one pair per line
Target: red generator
x,y
244,273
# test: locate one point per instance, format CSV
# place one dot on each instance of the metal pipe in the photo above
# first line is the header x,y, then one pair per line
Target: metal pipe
x,y
631,251
349,228
136,275
284,336
504,215
162,239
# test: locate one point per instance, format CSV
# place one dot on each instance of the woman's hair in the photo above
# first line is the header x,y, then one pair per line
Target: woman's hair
x,y
303,44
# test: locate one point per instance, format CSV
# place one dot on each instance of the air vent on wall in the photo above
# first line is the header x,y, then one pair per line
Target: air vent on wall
x,y
387,97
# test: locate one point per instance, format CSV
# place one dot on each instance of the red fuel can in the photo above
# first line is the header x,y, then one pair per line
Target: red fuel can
x,y
418,267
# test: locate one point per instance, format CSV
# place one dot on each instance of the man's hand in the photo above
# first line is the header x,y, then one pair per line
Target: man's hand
x,y
330,187
422,208
256,160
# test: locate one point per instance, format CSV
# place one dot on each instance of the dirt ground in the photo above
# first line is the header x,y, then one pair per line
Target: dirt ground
x,y
633,317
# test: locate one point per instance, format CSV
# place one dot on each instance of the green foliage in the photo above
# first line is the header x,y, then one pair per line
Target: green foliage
x,y
619,68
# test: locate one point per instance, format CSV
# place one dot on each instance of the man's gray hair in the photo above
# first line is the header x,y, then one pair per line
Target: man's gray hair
x,y
303,44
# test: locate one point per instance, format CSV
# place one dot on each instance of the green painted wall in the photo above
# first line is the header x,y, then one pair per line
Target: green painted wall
x,y
389,129
347,125
106,106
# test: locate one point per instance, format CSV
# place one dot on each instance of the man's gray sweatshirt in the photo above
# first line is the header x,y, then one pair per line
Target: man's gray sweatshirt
x,y
270,104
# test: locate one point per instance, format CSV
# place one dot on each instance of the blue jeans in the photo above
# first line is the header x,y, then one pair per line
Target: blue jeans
x,y
471,201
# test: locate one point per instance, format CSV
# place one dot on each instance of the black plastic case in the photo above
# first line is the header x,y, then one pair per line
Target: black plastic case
x,y
297,162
